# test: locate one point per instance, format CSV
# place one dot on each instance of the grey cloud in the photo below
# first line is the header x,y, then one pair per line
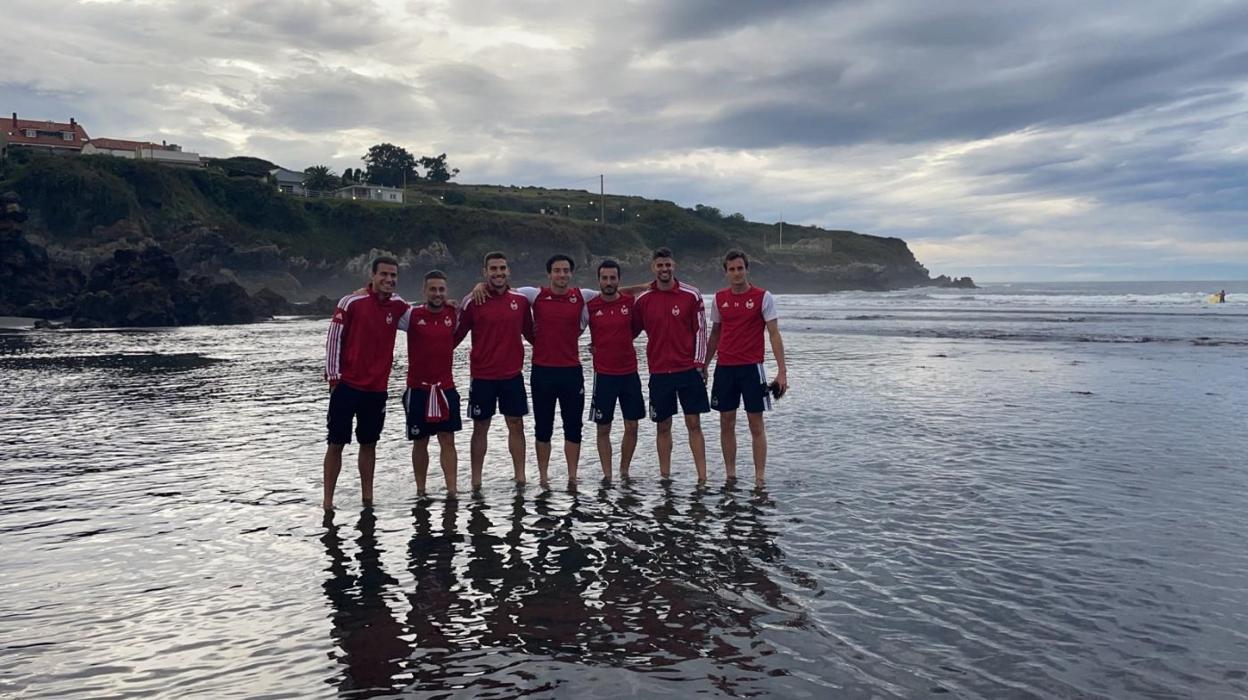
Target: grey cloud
x,y
314,24
700,19
330,100
1127,106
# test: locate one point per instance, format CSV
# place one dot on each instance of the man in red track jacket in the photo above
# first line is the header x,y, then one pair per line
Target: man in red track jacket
x,y
496,362
740,315
359,352
672,315
431,402
615,367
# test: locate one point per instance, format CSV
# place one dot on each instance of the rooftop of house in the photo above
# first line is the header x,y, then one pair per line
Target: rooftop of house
x,y
126,144
18,132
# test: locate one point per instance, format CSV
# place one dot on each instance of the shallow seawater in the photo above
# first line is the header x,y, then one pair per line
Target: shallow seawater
x,y
968,497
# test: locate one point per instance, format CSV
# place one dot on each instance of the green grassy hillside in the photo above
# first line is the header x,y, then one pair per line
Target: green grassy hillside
x,y
80,202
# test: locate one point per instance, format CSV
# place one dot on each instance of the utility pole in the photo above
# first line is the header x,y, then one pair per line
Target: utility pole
x,y
602,200
781,229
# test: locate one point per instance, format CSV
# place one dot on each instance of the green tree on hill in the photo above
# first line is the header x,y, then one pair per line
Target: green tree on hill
x,y
390,165
436,170
320,177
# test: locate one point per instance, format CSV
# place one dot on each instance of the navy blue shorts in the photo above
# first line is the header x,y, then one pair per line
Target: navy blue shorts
x,y
417,426
367,408
736,382
507,395
665,389
612,388
565,385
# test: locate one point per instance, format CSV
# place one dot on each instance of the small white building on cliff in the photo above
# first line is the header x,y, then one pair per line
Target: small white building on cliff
x,y
374,193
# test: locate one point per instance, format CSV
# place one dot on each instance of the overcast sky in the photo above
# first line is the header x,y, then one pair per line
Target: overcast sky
x,y
1059,140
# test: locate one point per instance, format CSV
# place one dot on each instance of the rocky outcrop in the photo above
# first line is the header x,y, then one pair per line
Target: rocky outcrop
x,y
31,284
144,288
132,287
956,283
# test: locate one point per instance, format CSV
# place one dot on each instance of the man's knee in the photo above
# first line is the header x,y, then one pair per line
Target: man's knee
x,y
335,448
757,428
514,423
604,429
664,427
728,422
630,428
446,440
693,423
481,426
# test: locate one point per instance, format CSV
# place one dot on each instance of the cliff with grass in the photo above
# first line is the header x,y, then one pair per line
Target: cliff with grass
x,y
227,224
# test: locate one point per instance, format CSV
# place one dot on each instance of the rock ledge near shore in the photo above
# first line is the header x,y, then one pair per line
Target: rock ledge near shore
x,y
137,287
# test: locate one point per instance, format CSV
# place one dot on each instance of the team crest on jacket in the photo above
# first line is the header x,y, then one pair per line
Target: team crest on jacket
x,y
624,310
514,306
572,298
446,321
749,303
675,310
389,319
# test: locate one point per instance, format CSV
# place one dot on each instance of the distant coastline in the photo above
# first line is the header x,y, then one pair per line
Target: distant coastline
x,y
115,234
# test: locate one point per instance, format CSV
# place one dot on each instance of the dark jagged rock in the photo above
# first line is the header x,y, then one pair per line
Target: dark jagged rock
x,y
321,306
223,303
959,283
269,303
134,288
31,284
143,288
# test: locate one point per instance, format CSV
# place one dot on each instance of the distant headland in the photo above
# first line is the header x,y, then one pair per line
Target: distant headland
x,y
102,240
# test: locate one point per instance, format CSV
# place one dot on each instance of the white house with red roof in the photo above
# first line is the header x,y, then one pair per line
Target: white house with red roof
x,y
57,137
166,153
121,148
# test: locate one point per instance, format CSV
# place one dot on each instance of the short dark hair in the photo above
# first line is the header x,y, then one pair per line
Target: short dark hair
x,y
384,260
494,255
733,255
662,252
560,257
435,275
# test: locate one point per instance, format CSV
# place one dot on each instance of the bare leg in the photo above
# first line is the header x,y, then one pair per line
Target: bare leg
x,y
628,446
420,463
697,445
604,449
543,460
515,443
368,462
450,462
331,467
480,431
572,454
664,442
758,437
728,442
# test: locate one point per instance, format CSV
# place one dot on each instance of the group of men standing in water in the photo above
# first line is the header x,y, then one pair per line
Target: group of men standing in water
x,y
359,353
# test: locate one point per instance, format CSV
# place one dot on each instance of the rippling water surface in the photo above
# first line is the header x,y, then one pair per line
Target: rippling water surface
x,y
975,494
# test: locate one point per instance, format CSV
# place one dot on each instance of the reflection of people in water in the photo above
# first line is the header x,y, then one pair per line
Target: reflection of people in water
x,y
552,609
439,617
373,648
496,569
